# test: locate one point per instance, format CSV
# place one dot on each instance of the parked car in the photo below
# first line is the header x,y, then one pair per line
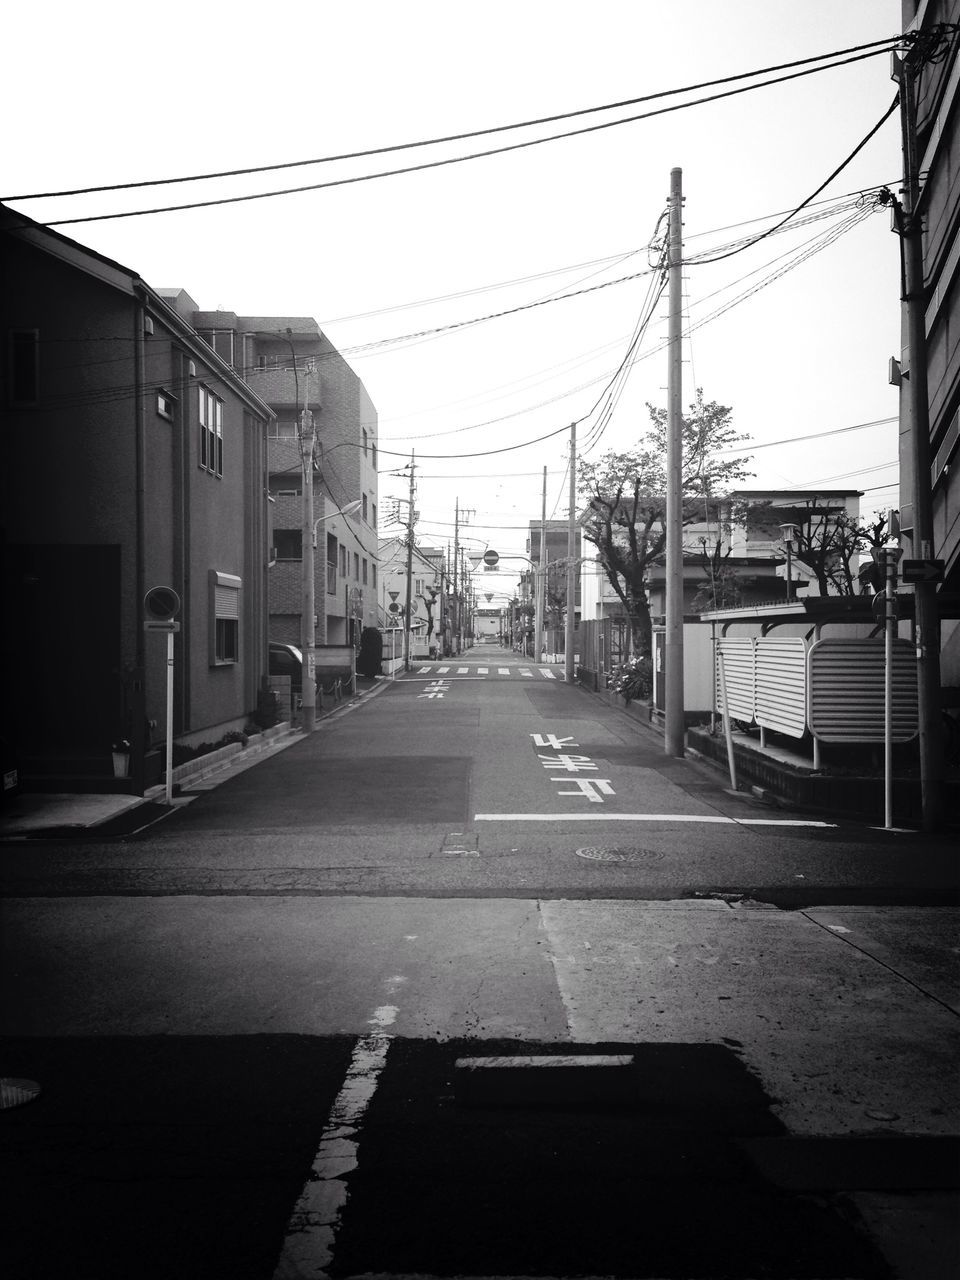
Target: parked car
x,y
287,660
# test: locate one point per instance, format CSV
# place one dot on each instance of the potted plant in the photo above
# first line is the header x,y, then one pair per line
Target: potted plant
x,y
121,758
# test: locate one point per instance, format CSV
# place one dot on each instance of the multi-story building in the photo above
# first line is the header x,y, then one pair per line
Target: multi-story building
x,y
937,113
293,366
754,553
133,456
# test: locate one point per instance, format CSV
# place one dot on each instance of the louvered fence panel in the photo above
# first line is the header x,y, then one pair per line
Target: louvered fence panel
x,y
740,675
845,698
781,697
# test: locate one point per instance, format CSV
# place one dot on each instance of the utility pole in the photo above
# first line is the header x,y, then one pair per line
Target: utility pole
x,y
456,561
308,689
568,655
673,649
410,527
540,578
926,621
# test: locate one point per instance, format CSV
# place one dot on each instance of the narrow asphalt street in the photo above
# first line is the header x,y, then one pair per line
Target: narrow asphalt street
x,y
477,981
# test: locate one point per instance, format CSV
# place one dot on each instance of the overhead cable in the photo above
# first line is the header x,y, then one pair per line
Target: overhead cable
x,y
474,155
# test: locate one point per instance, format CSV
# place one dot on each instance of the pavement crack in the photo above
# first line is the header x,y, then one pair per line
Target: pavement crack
x,y
883,964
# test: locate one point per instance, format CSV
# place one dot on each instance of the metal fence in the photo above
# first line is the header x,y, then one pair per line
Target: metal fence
x,y
603,644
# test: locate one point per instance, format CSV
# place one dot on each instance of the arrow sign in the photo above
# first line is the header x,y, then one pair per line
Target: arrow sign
x,y
921,570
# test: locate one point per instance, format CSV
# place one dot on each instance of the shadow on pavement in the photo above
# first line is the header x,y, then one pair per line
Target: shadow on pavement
x,y
161,1157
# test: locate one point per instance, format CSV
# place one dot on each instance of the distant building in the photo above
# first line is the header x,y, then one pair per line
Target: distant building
x,y
750,553
426,598
133,456
292,365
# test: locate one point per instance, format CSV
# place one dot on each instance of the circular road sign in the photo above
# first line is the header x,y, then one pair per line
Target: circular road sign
x,y
491,558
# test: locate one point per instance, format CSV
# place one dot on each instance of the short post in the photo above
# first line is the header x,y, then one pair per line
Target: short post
x,y
727,730
889,557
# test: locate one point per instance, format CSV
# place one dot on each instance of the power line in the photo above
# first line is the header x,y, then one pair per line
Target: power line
x,y
475,155
877,46
703,261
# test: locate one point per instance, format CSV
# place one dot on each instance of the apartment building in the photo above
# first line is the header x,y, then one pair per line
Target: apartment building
x,y
291,365
937,116
133,456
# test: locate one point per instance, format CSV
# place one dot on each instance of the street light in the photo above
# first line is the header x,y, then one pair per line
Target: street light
x,y
350,509
788,535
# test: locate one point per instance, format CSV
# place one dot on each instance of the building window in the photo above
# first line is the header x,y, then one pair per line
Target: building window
x,y
289,543
282,429
356,565
373,571
23,354
366,510
373,456
365,442
374,521
166,405
364,578
225,618
343,562
211,432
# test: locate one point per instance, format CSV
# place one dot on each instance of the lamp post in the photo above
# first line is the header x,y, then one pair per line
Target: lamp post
x,y
788,535
308,689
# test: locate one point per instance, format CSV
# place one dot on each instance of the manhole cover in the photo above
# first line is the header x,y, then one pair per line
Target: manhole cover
x,y
619,855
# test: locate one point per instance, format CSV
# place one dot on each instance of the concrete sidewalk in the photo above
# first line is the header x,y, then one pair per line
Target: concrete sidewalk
x,y
794,1068
31,813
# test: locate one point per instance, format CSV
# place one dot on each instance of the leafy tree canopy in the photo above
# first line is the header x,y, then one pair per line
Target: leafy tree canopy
x,y
626,496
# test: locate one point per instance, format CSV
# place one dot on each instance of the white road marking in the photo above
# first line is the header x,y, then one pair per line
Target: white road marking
x,y
644,817
308,1245
593,788
443,670
525,671
503,671
548,675
422,669
462,671
482,671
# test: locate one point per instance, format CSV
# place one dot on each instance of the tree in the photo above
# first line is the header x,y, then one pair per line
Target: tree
x,y
429,599
828,540
626,495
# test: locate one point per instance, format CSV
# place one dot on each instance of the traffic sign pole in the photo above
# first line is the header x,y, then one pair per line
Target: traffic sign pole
x,y
168,796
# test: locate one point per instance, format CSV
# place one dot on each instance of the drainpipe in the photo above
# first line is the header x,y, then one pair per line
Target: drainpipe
x,y
138,698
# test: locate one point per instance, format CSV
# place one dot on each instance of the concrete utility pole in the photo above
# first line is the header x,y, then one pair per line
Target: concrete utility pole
x,y
568,663
456,559
673,650
410,527
926,619
540,577
308,691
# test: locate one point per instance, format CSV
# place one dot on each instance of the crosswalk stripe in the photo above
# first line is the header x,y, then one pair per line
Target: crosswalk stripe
x,y
547,673
525,671
503,671
482,671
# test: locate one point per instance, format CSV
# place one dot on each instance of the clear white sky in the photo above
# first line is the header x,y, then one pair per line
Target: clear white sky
x,y
110,92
